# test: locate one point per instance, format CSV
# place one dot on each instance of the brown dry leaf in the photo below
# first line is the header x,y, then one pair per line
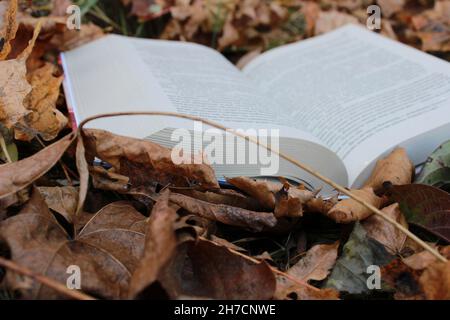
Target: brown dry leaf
x,y
107,249
423,259
347,211
396,169
386,233
145,162
233,216
71,39
284,199
390,7
321,205
248,57
160,244
230,34
230,198
8,26
433,27
316,264
18,175
331,20
27,101
435,281
204,269
288,291
44,119
63,200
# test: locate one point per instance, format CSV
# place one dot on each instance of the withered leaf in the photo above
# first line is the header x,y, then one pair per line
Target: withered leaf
x,y
8,26
360,252
287,291
396,169
107,250
233,216
386,233
425,206
435,281
204,269
18,175
63,200
349,210
283,199
316,264
145,162
160,245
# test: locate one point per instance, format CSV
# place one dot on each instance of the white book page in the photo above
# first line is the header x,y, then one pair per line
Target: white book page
x,y
359,93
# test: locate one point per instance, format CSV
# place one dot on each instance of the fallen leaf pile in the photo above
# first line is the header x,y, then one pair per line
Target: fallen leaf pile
x,y
139,226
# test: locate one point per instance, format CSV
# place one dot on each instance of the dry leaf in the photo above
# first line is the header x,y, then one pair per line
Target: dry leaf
x,y
316,264
160,244
331,20
288,291
204,269
233,216
390,7
349,210
63,200
386,233
145,162
230,34
18,175
435,281
396,169
283,199
8,26
107,250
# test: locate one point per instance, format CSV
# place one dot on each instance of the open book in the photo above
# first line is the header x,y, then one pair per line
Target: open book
x,y
340,101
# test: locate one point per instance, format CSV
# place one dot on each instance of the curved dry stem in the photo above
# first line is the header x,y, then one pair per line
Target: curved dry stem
x,y
55,285
305,167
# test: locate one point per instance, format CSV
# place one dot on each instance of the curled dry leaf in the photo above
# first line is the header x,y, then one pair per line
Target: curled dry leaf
x,y
204,269
396,169
230,198
386,233
8,26
321,205
283,199
435,281
107,249
18,175
28,100
330,20
145,162
63,200
160,245
233,216
303,292
425,206
347,211
316,264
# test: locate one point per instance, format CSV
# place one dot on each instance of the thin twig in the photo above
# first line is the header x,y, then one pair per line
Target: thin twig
x,y
305,167
275,270
5,149
55,285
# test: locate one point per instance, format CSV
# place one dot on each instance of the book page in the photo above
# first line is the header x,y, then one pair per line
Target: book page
x,y
360,93
117,74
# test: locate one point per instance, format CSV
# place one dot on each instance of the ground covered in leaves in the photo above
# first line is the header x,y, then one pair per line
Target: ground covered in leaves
x,y
140,227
